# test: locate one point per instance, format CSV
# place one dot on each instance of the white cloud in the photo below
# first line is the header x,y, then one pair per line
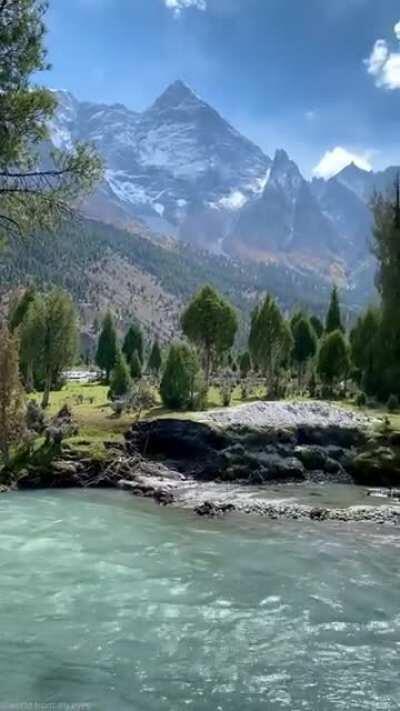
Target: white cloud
x,y
332,162
178,5
383,64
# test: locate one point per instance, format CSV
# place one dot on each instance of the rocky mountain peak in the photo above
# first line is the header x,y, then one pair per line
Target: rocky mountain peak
x,y
174,96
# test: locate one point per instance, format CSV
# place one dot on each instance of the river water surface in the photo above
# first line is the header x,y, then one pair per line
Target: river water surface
x,y
113,602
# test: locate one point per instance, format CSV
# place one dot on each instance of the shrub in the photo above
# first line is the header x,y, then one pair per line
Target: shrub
x,y
392,403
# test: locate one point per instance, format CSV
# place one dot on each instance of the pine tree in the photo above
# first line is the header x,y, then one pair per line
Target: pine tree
x,y
181,385
33,197
120,382
135,367
133,343
210,322
107,348
304,346
155,360
333,358
12,412
333,318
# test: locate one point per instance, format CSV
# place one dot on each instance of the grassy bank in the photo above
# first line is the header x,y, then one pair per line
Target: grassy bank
x,y
97,422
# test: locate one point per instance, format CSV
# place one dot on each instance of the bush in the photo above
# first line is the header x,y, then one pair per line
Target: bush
x,y
182,385
142,397
392,403
36,420
361,400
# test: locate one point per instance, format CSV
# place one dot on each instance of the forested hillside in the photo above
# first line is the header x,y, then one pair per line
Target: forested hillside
x,y
103,266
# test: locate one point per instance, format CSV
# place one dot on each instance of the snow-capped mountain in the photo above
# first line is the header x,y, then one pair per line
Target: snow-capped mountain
x,y
164,163
183,170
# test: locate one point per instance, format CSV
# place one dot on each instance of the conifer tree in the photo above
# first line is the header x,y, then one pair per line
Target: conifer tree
x,y
181,385
155,360
107,348
333,317
384,372
133,343
120,381
333,358
210,322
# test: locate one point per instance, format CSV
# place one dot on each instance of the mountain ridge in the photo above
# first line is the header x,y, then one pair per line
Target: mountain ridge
x,y
179,169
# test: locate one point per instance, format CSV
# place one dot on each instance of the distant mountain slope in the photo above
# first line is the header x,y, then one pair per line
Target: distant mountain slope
x,y
105,267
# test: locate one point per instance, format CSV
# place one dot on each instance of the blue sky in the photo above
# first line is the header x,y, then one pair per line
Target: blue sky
x,y
320,78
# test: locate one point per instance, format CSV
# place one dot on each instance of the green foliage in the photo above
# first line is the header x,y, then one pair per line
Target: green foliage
x,y
333,317
155,359
182,385
48,338
60,338
120,382
32,333
31,196
20,307
363,339
270,341
304,342
107,347
135,366
317,325
244,364
133,343
333,358
210,322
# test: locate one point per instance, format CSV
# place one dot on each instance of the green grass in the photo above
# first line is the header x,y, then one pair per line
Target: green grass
x,y
98,424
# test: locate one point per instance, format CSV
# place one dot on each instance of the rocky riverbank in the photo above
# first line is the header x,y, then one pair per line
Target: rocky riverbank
x,y
244,459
